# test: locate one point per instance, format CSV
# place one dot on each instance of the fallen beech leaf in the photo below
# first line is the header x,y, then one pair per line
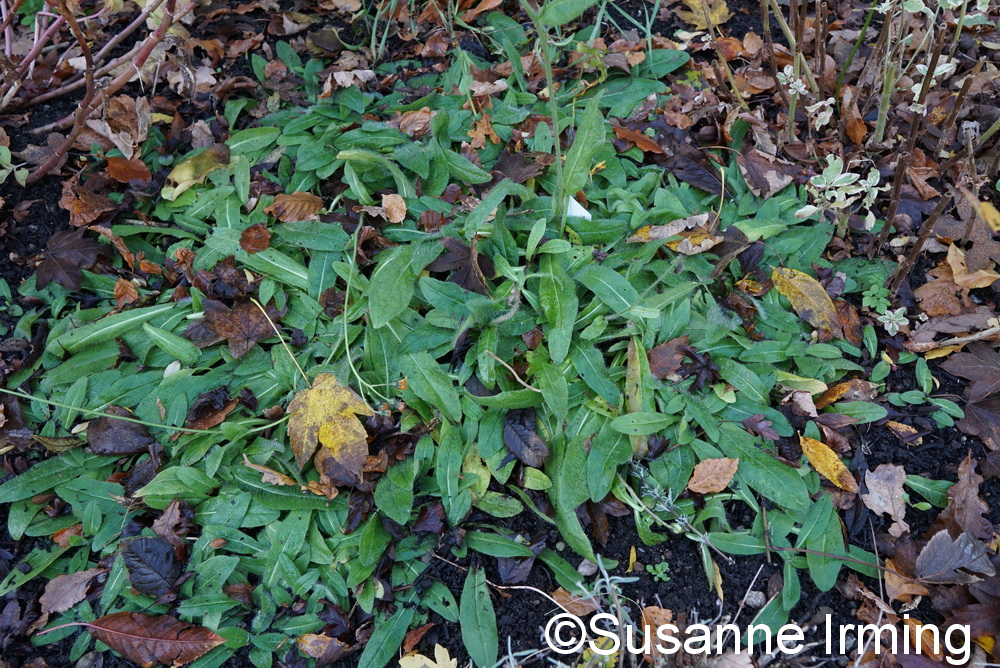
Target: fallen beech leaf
x,y
827,463
654,618
395,208
578,605
415,122
125,292
255,238
149,640
326,414
942,296
644,142
693,242
414,636
885,495
809,300
665,359
295,207
712,475
62,537
68,253
110,436
124,171
704,14
904,432
901,588
84,205
64,591
194,170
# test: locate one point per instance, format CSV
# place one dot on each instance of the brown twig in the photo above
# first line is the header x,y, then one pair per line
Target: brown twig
x,y
765,18
916,131
82,111
821,47
949,121
130,70
925,232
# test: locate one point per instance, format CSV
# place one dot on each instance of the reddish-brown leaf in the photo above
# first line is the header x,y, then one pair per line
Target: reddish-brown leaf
x,y
639,139
84,205
255,238
149,640
981,365
296,206
125,292
436,46
665,359
124,170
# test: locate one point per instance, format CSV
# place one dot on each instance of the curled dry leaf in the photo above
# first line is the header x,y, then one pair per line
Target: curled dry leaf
x,y
981,278
255,238
194,170
855,389
295,207
961,560
64,591
966,511
327,414
395,208
323,487
885,495
84,205
672,229
149,640
827,463
578,605
125,292
809,300
712,475
520,437
322,647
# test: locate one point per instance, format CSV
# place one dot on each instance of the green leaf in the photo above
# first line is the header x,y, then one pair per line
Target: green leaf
x,y
561,12
608,451
642,424
177,347
386,639
428,382
45,475
559,305
391,285
609,286
770,477
862,411
107,328
478,620
821,532
589,363
448,472
935,491
746,381
590,135
252,139
496,545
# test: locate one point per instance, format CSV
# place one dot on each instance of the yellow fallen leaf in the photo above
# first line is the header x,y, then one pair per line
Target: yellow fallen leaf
x,y
693,242
965,278
809,300
631,559
671,229
326,414
194,170
988,212
827,463
705,14
441,660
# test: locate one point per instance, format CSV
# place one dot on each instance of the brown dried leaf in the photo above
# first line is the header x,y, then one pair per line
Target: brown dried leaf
x,y
111,436
150,640
125,292
294,207
242,326
966,511
712,475
84,205
981,365
577,605
124,170
255,238
665,359
395,208
64,591
68,253
885,495
644,142
981,278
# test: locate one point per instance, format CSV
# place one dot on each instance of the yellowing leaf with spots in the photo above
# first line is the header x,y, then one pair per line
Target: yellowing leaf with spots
x,y
326,415
705,14
827,463
809,299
